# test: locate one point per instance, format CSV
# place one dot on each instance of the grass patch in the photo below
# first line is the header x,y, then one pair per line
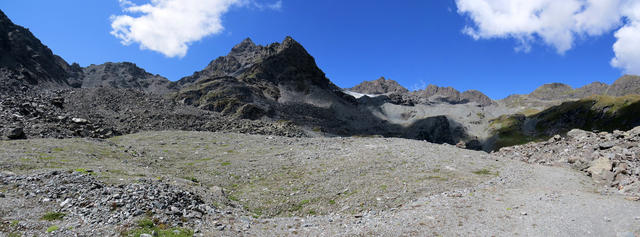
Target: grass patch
x,y
485,172
84,171
52,216
192,179
148,226
52,228
226,163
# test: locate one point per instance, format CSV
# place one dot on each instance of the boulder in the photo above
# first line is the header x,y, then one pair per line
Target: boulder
x,y
600,170
577,134
79,120
16,133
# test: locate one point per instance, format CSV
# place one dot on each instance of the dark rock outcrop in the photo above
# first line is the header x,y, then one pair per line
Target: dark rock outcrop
x,y
260,75
26,62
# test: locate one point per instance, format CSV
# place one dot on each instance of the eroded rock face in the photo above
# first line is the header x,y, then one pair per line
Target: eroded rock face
x,y
125,76
611,159
379,86
625,85
552,91
258,75
25,61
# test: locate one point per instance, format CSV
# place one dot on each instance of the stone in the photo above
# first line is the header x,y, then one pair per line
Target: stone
x,y
622,168
600,169
216,191
16,133
145,235
573,159
633,199
2,195
65,202
79,120
606,145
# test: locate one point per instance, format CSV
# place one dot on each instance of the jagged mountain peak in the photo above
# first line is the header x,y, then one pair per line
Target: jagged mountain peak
x,y
379,86
25,61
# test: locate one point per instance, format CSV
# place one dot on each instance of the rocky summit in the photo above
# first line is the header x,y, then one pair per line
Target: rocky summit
x,y
261,143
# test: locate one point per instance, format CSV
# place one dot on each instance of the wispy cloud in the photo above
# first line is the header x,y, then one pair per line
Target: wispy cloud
x,y
170,26
277,6
557,23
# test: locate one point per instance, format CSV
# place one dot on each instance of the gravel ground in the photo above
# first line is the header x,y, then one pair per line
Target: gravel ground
x,y
261,185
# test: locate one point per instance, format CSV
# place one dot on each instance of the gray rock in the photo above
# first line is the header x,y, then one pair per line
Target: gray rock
x,y
79,120
145,235
600,169
606,145
577,134
380,86
16,133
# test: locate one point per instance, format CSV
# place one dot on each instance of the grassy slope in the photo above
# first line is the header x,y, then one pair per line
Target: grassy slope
x,y
604,113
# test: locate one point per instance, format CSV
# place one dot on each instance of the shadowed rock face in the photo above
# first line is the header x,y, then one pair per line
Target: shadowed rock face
x,y
25,61
379,86
260,75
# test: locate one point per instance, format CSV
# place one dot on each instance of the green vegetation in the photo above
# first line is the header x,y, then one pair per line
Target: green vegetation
x,y
508,131
148,226
52,216
84,171
192,179
226,163
52,228
485,172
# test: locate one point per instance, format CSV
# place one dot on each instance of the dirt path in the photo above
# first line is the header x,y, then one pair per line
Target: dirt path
x,y
525,200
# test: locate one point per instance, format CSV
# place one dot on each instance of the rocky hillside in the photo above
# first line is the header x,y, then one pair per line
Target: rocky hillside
x,y
25,61
557,92
595,113
612,159
126,76
252,79
432,94
379,86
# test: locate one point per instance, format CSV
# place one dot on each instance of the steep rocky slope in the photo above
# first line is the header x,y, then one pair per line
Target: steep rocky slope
x,y
107,112
282,81
601,113
260,77
125,76
25,61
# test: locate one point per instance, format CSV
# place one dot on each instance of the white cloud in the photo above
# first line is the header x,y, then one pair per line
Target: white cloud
x,y
557,23
169,26
627,46
271,6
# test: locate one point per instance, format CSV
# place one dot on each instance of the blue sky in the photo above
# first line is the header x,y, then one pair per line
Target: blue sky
x,y
415,42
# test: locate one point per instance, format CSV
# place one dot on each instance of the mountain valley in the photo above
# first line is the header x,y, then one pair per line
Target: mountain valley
x,y
262,143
